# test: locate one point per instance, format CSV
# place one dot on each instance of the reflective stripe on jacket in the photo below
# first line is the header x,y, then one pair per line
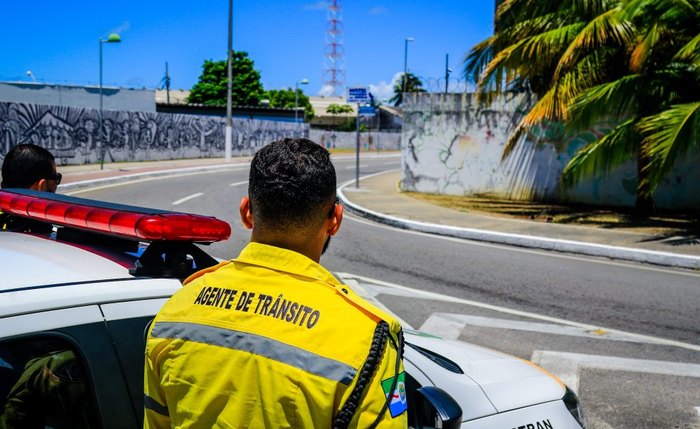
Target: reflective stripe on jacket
x,y
270,340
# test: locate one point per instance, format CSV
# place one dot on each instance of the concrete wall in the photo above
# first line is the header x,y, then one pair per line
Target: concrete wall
x,y
130,100
71,133
452,146
369,141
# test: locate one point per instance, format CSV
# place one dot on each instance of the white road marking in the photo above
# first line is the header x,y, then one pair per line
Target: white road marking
x,y
382,287
697,410
450,326
187,198
352,166
136,181
566,366
389,163
239,183
591,259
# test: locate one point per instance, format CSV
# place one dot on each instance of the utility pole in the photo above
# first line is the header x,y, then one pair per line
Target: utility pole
x,y
229,122
167,83
447,71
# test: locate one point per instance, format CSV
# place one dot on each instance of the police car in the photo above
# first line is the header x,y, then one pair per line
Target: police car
x,y
75,303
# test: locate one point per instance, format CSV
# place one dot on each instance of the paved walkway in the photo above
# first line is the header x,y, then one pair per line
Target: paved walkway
x,y
379,199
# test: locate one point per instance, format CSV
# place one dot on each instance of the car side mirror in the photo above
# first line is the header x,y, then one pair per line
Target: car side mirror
x,y
435,408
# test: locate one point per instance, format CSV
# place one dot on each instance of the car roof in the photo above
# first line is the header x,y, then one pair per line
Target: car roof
x,y
28,260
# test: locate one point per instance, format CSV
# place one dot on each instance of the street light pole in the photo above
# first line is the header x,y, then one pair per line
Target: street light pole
x,y
228,138
405,62
296,100
113,38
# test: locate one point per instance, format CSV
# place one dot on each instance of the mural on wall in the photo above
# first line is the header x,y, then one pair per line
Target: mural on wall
x,y
453,145
71,134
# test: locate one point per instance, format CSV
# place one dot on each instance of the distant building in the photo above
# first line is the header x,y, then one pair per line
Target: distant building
x,y
386,118
178,104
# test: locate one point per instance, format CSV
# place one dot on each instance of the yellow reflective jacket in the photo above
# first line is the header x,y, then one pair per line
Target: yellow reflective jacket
x,y
272,340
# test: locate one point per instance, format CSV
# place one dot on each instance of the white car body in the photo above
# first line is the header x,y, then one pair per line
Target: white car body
x,y
49,286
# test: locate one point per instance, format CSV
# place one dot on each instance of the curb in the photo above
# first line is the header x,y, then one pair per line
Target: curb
x,y
665,259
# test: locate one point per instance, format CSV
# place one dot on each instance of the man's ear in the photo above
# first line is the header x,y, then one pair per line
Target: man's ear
x,y
246,215
335,220
40,185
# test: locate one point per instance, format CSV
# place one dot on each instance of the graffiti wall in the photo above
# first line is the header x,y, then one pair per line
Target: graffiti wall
x,y
369,140
451,145
71,134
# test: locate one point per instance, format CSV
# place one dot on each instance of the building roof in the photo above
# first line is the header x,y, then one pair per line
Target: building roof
x,y
177,96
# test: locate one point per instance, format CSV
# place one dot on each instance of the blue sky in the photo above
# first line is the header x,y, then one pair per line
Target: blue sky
x,y
59,41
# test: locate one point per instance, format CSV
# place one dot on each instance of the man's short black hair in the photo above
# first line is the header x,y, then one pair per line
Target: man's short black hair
x,y
25,164
292,184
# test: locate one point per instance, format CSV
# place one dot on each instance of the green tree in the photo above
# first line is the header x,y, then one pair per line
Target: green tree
x,y
589,61
338,109
286,99
413,84
211,88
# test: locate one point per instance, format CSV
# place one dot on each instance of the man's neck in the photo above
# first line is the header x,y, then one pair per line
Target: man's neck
x,y
309,249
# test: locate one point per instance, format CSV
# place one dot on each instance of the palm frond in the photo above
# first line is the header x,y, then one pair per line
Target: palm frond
x,y
644,47
601,156
548,47
690,51
668,135
477,59
608,100
605,29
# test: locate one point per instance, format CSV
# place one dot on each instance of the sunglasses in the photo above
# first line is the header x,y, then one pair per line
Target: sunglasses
x,y
56,177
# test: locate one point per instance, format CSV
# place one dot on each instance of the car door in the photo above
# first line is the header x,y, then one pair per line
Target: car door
x,y
127,323
58,369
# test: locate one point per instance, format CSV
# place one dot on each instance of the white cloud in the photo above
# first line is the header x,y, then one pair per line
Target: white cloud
x,y
121,28
383,91
378,10
319,5
326,91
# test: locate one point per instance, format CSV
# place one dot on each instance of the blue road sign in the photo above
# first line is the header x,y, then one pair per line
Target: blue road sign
x,y
358,95
367,110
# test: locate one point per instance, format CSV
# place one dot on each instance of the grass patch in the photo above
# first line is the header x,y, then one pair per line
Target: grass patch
x,y
660,224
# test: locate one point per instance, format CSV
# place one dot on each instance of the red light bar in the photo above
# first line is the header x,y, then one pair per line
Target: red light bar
x,y
124,221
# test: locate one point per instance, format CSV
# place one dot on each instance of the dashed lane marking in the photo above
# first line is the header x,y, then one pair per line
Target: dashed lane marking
x,y
239,183
187,198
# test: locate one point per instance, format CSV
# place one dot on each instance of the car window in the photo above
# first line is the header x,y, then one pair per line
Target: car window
x,y
130,346
43,384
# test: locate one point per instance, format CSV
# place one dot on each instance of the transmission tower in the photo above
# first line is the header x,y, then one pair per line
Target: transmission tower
x,y
333,65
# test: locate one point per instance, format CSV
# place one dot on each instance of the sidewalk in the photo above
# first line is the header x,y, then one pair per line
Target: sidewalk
x,y
378,199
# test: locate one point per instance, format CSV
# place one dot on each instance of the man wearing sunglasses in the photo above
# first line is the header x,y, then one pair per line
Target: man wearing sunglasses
x,y
28,166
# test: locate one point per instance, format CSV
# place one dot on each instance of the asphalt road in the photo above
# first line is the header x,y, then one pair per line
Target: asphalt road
x,y
515,300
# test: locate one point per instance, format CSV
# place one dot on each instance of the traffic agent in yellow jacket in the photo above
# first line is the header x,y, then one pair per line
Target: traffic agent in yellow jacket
x,y
272,340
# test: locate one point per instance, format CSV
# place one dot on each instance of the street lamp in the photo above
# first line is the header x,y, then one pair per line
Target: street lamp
x,y
113,38
296,98
31,75
228,136
405,61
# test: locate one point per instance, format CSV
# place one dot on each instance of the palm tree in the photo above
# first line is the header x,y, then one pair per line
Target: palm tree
x,y
338,109
413,84
587,60
656,103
